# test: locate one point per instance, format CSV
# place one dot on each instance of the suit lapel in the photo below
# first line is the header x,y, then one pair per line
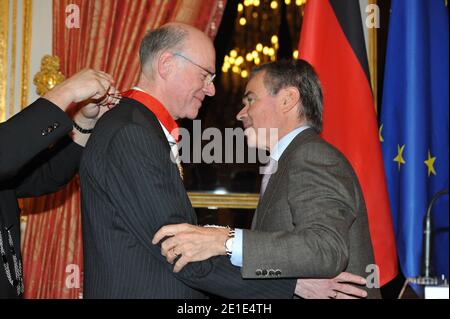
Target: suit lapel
x,y
273,185
266,199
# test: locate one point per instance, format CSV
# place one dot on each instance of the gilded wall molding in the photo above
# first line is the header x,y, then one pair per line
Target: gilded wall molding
x,y
26,50
12,80
4,22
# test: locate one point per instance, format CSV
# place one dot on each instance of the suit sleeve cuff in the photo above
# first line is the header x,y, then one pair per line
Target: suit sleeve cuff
x,y
52,114
236,255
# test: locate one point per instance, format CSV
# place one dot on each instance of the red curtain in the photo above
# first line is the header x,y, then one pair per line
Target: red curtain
x,y
107,39
111,30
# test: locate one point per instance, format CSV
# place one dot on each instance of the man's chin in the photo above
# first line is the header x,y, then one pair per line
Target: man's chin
x,y
254,144
252,140
193,114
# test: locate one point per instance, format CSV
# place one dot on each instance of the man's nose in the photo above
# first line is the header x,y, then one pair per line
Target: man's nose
x,y
210,89
242,114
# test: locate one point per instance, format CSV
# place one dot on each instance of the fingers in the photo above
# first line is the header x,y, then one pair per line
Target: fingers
x,y
168,245
113,93
100,75
172,254
164,231
88,84
111,98
168,230
105,80
105,76
343,296
100,80
349,290
350,278
102,87
183,261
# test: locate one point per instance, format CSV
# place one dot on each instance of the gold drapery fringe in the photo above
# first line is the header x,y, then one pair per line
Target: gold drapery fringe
x,y
26,50
4,22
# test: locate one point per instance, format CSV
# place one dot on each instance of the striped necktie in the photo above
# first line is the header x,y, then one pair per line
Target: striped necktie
x,y
268,170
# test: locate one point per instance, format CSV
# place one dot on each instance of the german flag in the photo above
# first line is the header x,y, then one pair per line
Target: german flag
x,y
332,40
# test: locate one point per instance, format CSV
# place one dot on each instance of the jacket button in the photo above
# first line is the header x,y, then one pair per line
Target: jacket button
x,y
278,272
44,133
55,125
258,272
50,129
271,272
264,272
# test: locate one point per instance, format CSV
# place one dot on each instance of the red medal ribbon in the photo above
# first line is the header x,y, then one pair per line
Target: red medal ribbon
x,y
157,108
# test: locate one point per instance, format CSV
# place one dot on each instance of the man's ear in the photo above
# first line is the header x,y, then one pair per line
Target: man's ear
x,y
290,98
165,64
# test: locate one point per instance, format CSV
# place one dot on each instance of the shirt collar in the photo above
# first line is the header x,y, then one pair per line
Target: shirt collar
x,y
283,143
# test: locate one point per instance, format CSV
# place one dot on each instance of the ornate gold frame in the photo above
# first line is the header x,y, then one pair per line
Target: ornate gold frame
x,y
232,200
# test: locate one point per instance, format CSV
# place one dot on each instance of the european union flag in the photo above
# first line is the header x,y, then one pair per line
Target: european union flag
x,y
414,128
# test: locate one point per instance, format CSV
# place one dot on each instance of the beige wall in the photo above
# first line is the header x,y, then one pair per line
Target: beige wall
x,y
25,36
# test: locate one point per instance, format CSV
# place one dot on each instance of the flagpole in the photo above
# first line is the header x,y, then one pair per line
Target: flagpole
x,y
373,61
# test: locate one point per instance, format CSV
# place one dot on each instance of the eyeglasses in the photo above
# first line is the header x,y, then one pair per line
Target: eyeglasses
x,y
209,77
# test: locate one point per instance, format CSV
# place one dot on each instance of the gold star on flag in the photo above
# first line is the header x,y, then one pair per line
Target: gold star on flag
x,y
399,158
379,133
430,164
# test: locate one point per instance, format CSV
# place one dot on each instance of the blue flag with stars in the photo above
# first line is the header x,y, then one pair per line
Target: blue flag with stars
x,y
414,129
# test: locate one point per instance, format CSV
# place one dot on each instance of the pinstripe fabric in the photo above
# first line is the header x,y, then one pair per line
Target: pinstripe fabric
x,y
129,189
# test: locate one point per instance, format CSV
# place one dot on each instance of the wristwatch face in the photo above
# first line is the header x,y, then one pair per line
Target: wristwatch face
x,y
229,244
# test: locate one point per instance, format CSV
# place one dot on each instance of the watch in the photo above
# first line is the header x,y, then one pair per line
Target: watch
x,y
229,242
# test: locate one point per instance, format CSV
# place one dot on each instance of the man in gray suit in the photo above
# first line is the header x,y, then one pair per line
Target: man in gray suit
x,y
311,219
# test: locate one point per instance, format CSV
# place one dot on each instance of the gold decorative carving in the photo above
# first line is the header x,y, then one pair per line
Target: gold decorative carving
x,y
49,75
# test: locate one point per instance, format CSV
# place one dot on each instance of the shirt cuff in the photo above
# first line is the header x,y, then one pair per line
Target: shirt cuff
x,y
236,255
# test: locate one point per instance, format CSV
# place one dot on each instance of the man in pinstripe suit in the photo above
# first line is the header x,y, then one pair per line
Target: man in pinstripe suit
x,y
130,186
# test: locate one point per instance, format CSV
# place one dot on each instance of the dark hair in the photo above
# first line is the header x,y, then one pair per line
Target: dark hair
x,y
301,75
155,41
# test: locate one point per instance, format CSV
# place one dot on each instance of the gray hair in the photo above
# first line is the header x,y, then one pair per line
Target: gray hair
x,y
301,75
161,39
